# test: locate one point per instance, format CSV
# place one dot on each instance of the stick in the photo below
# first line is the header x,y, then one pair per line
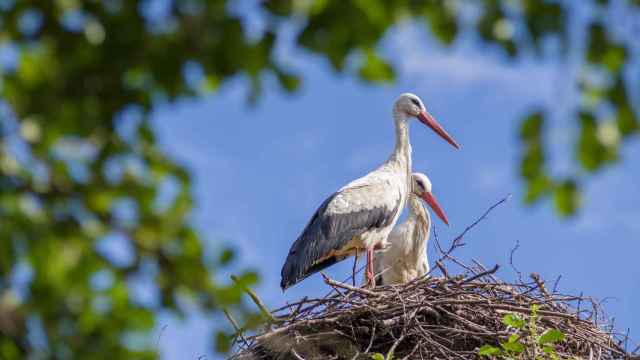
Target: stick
x,y
540,284
332,282
513,251
442,269
263,308
484,216
484,273
236,327
353,271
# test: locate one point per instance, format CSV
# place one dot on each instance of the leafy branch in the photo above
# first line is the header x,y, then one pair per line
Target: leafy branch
x,y
525,342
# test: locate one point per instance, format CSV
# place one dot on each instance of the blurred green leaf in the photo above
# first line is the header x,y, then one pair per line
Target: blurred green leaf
x,y
566,198
226,256
513,347
491,27
593,154
488,350
288,82
442,21
280,7
627,120
537,188
375,69
223,342
602,50
544,18
513,320
551,336
531,127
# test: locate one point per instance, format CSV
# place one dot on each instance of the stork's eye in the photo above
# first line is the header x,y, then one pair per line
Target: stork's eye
x,y
421,185
415,102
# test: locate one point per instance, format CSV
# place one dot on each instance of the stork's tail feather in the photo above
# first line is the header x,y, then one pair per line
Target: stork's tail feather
x,y
293,274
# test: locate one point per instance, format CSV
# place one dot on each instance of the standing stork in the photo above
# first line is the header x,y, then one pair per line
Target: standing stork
x,y
406,257
361,215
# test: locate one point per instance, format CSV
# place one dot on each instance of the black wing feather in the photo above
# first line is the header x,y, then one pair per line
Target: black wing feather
x,y
328,232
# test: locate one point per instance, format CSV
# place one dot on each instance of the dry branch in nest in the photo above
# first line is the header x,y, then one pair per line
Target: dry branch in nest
x,y
431,318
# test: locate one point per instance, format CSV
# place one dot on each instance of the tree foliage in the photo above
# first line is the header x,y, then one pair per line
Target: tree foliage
x,y
81,172
606,115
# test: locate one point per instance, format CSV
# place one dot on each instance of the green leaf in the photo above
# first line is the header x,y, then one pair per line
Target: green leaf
x,y
375,69
534,309
513,347
377,356
566,198
280,7
442,20
289,82
223,342
226,256
513,338
627,120
550,337
537,188
531,127
488,350
592,152
513,320
603,51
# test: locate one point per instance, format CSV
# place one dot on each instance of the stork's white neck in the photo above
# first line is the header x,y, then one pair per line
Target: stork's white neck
x,y
421,221
402,151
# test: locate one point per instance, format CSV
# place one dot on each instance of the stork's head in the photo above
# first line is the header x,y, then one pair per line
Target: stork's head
x,y
422,189
411,105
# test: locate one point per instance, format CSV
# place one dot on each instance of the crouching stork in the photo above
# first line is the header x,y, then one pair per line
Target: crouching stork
x,y
406,258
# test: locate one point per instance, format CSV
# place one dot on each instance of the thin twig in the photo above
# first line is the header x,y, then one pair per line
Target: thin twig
x,y
261,306
513,251
332,282
353,271
295,354
484,273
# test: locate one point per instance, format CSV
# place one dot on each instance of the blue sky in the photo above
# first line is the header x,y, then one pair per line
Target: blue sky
x,y
259,173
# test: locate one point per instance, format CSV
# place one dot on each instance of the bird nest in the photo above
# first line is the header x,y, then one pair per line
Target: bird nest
x,y
438,317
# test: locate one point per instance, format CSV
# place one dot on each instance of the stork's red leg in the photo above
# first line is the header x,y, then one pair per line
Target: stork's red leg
x,y
370,279
355,265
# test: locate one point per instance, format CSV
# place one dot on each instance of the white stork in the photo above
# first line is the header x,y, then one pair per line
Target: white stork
x,y
406,257
361,215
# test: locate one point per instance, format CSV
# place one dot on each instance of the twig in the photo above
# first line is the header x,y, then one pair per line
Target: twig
x,y
355,265
555,284
513,251
164,327
231,320
263,308
236,327
484,216
484,273
536,278
444,271
332,282
393,348
373,335
295,354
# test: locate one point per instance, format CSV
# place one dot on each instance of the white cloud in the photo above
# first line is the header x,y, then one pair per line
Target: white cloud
x,y
491,177
463,64
610,202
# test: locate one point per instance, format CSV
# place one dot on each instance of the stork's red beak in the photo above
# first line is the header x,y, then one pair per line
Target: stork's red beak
x,y
433,203
428,120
